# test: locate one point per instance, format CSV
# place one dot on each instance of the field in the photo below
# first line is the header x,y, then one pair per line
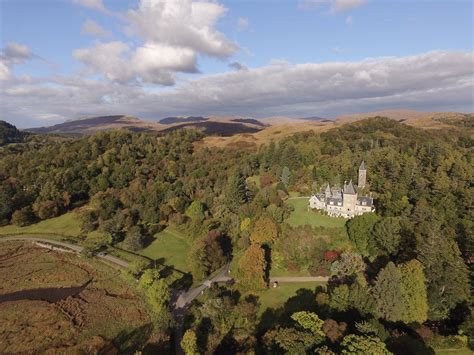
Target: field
x,y
276,297
302,216
63,303
170,247
67,224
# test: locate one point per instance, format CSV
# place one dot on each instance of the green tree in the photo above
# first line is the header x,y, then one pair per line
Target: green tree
x,y
388,293
340,298
195,211
414,298
386,235
348,264
236,191
189,343
446,274
23,217
206,255
134,239
363,345
360,230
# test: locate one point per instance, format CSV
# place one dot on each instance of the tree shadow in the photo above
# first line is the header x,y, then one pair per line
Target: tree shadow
x,y
183,283
129,342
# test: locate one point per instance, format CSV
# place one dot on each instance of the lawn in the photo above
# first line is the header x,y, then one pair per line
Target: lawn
x,y
67,224
170,245
302,216
276,297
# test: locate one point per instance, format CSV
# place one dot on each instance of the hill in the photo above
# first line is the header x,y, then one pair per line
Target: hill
x,y
100,123
10,134
172,120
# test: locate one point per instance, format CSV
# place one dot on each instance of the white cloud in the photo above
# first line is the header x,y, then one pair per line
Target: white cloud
x,y
182,23
15,53
94,29
4,72
238,66
429,81
242,24
107,59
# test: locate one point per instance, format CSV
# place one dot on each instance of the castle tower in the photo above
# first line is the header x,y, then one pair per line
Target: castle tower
x,y
362,176
349,198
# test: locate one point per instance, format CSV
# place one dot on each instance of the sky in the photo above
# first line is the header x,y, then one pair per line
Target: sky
x,y
70,59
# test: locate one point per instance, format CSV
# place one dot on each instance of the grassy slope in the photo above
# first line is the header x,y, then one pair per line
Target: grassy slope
x,y
67,225
302,216
172,246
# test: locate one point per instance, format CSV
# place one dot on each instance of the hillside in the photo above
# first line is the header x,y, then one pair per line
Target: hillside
x,y
100,123
172,120
9,134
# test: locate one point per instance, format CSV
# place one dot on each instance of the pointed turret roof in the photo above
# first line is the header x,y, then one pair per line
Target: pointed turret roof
x,y
362,166
349,189
328,189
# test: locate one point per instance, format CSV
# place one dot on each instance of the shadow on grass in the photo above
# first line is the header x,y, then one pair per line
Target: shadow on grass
x,y
134,340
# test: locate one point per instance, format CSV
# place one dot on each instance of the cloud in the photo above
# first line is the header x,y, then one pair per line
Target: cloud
x,y
242,24
151,63
94,29
93,4
333,6
182,23
430,81
13,54
349,20
237,66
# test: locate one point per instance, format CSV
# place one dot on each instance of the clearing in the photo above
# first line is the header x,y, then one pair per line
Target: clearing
x,y
172,247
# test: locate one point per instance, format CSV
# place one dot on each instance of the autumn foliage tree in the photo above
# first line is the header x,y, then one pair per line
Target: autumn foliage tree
x,y
265,231
251,268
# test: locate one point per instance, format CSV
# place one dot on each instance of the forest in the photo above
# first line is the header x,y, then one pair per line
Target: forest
x,y
399,278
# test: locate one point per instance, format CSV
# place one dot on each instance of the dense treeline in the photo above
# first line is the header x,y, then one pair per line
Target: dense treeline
x,y
10,134
400,283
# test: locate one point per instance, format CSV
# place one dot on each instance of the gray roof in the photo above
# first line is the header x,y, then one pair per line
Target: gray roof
x,y
368,201
349,189
362,166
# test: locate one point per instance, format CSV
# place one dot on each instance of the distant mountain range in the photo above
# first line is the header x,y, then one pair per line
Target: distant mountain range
x,y
272,127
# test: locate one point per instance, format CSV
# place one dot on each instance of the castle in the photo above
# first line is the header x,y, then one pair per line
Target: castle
x,y
344,202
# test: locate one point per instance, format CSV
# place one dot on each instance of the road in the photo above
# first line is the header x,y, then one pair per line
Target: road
x,y
78,249
288,279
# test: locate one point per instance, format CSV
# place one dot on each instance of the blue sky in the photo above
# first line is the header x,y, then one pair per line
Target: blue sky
x,y
65,59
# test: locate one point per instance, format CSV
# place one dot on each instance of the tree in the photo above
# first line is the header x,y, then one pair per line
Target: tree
x,y
414,298
386,235
349,264
236,191
360,230
360,297
207,255
189,343
134,239
340,298
23,217
388,293
265,231
285,176
446,274
195,211
251,268
334,330
363,345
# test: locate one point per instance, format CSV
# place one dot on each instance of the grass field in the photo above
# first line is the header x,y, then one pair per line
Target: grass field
x,y
172,246
67,224
464,351
302,216
276,297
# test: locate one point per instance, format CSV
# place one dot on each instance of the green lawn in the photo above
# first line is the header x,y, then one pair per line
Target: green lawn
x,y
302,216
67,224
276,297
172,246
464,351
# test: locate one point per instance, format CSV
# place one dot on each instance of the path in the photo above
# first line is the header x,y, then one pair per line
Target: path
x,y
288,279
78,249
184,300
